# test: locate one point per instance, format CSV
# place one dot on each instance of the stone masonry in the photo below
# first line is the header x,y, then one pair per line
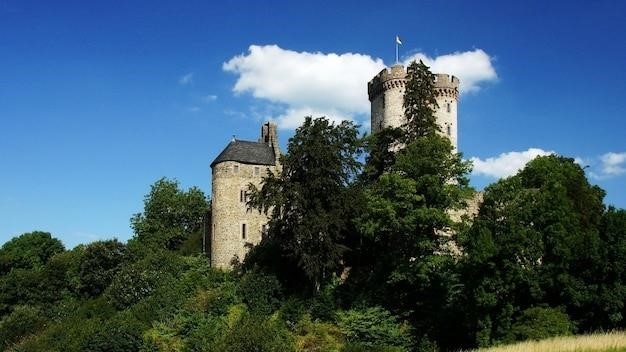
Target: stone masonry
x,y
386,94
234,226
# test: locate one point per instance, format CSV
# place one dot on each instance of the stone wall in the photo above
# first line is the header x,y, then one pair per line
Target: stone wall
x,y
386,94
230,213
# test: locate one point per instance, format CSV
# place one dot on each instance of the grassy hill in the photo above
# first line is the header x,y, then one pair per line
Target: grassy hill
x,y
607,342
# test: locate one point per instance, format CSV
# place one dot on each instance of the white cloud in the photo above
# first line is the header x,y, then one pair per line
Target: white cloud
x,y
209,98
471,67
506,164
305,80
330,84
613,164
186,79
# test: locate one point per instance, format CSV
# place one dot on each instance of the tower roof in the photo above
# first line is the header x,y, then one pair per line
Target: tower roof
x,y
247,152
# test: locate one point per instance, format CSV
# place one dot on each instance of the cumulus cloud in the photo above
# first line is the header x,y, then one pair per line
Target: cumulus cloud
x,y
473,68
186,79
613,164
330,84
304,79
506,164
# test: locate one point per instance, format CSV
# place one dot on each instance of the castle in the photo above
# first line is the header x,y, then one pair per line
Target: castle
x,y
235,227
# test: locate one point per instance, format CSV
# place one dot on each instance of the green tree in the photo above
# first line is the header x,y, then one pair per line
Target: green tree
x,y
413,180
30,250
404,258
420,102
534,242
611,273
311,201
99,264
171,217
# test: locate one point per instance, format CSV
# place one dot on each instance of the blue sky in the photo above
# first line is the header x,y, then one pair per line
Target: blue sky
x,y
98,100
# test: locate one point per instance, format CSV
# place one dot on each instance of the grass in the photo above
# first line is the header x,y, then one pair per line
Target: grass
x,y
600,342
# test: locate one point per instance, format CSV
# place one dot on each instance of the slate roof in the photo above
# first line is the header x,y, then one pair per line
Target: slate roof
x,y
247,152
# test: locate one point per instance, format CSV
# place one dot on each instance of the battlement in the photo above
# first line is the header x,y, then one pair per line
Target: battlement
x,y
389,77
395,77
443,80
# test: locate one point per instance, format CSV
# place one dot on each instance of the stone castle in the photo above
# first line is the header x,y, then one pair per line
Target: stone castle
x,y
235,227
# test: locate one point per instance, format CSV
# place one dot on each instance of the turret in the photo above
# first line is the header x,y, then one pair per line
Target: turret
x,y
234,227
386,94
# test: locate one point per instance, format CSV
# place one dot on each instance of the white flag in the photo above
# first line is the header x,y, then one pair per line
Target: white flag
x,y
398,40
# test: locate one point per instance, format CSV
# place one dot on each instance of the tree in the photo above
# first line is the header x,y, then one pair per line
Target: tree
x,y
171,216
30,250
404,259
99,264
413,180
534,242
611,273
310,201
420,102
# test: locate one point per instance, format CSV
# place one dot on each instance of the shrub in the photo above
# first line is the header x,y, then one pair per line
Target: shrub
x,y
23,321
261,292
253,333
539,323
373,326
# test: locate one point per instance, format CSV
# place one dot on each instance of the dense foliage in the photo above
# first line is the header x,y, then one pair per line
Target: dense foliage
x,y
362,254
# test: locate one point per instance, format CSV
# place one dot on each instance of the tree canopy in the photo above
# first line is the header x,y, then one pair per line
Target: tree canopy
x,y
310,200
173,218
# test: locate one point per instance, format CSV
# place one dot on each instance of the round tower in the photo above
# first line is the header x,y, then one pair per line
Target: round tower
x,y
235,227
447,93
386,94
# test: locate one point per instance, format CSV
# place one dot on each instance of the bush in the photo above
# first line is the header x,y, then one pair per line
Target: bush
x,y
123,333
23,321
539,323
262,293
373,327
255,334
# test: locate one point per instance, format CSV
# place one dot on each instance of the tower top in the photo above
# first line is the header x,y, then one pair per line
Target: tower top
x,y
395,77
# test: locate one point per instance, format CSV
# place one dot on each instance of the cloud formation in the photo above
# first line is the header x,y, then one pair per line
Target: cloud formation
x,y
321,84
613,164
601,167
473,68
186,79
506,164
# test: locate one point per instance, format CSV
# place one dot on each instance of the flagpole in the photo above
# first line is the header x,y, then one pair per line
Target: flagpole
x,y
398,43
397,52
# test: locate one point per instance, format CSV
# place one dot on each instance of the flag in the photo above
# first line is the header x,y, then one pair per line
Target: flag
x,y
398,40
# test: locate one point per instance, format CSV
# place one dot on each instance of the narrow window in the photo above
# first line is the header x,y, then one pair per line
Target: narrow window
x,y
257,171
242,196
449,130
243,231
235,168
263,230
448,107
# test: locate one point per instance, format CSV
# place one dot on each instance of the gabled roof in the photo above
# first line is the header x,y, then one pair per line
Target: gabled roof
x,y
247,152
